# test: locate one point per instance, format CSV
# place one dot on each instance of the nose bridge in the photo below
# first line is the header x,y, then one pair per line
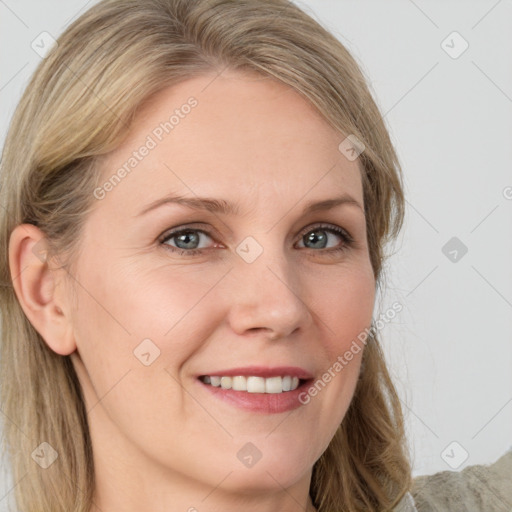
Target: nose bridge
x,y
266,290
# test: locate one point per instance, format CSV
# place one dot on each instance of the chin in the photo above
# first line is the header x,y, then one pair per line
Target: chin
x,y
273,475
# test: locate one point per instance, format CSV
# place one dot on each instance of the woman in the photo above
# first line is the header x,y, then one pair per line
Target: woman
x,y
197,196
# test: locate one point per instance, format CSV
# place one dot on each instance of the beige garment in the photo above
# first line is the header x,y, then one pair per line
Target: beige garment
x,y
477,488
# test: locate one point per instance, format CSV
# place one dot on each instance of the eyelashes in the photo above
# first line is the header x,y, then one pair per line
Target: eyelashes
x,y
195,234
347,240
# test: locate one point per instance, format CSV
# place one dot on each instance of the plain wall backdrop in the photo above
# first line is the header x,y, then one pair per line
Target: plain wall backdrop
x,y
441,73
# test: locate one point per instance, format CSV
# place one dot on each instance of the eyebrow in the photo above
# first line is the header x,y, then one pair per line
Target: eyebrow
x,y
225,207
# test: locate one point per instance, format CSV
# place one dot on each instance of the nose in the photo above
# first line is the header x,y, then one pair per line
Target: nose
x,y
267,297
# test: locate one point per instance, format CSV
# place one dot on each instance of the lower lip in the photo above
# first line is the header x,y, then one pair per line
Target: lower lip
x,y
268,403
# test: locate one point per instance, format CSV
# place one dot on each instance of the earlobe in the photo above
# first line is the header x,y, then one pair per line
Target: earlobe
x,y
36,286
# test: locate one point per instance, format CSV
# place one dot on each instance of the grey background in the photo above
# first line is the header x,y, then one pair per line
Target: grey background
x,y
450,348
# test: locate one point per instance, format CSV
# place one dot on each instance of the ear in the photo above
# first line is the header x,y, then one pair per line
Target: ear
x,y
36,286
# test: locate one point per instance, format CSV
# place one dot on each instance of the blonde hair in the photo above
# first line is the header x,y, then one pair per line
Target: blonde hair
x,y
77,107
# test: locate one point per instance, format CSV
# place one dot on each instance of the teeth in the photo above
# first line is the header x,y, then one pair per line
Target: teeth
x,y
274,385
254,384
226,382
239,384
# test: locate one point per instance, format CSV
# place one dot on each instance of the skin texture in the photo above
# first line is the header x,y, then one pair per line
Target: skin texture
x,y
161,441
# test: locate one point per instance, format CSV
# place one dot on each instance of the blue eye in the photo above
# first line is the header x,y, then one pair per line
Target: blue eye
x,y
187,240
312,236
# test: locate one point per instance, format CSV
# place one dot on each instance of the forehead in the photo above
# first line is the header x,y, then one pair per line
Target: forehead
x,y
230,134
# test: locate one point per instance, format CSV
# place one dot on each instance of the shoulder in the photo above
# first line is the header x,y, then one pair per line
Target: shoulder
x,y
477,487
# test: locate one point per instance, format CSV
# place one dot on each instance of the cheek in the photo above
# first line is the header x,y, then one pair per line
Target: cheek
x,y
146,402
176,309
345,308
133,303
345,305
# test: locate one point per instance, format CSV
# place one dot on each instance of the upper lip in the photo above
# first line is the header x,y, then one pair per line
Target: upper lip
x,y
263,371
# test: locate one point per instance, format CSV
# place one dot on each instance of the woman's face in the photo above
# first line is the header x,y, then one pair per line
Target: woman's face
x,y
262,287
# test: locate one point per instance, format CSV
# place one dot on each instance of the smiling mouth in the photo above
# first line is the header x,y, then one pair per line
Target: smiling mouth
x,y
254,384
